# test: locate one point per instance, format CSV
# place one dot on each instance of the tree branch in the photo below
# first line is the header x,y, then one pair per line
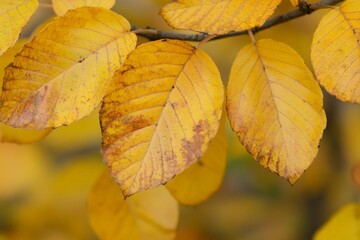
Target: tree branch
x,y
304,9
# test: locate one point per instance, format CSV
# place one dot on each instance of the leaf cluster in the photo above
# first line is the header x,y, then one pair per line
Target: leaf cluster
x,y
162,111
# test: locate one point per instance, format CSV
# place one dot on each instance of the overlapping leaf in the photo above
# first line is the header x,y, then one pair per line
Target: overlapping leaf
x,y
218,17
197,183
152,214
14,14
275,107
62,6
64,72
163,108
343,225
8,133
335,52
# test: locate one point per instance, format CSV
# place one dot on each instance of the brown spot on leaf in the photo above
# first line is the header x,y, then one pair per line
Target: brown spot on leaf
x,y
192,149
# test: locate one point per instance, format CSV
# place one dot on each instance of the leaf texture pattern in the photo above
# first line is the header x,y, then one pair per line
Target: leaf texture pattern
x,y
8,133
218,16
335,52
14,14
64,72
275,107
163,108
62,6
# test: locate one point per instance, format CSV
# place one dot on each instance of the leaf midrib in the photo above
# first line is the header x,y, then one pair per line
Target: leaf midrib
x,y
160,117
273,100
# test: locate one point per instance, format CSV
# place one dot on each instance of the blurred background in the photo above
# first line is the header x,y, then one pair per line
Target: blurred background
x,y
44,186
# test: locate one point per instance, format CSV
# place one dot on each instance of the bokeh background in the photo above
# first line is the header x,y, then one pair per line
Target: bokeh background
x,y
44,186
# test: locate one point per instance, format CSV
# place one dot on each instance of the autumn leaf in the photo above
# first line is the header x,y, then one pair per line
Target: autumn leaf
x,y
152,214
197,183
343,225
8,133
335,52
64,72
62,6
275,107
162,110
13,17
218,17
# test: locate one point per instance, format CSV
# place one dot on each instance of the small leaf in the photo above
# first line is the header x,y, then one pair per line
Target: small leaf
x,y
344,224
163,109
8,133
294,2
13,17
64,72
151,214
62,6
275,107
197,183
218,17
335,52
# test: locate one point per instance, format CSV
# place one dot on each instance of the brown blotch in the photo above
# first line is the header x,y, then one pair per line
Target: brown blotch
x,y
135,122
126,125
192,148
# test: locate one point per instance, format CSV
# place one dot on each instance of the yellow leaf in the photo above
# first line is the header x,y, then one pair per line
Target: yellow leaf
x,y
218,17
275,107
294,2
197,183
344,224
62,6
151,214
335,52
64,72
7,133
13,16
163,109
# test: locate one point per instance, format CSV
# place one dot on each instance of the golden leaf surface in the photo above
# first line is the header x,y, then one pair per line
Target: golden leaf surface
x,y
218,17
335,52
62,6
8,133
14,14
198,182
275,107
64,72
344,224
162,110
152,214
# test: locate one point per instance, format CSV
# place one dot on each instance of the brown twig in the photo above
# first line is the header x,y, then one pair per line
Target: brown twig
x,y
302,10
